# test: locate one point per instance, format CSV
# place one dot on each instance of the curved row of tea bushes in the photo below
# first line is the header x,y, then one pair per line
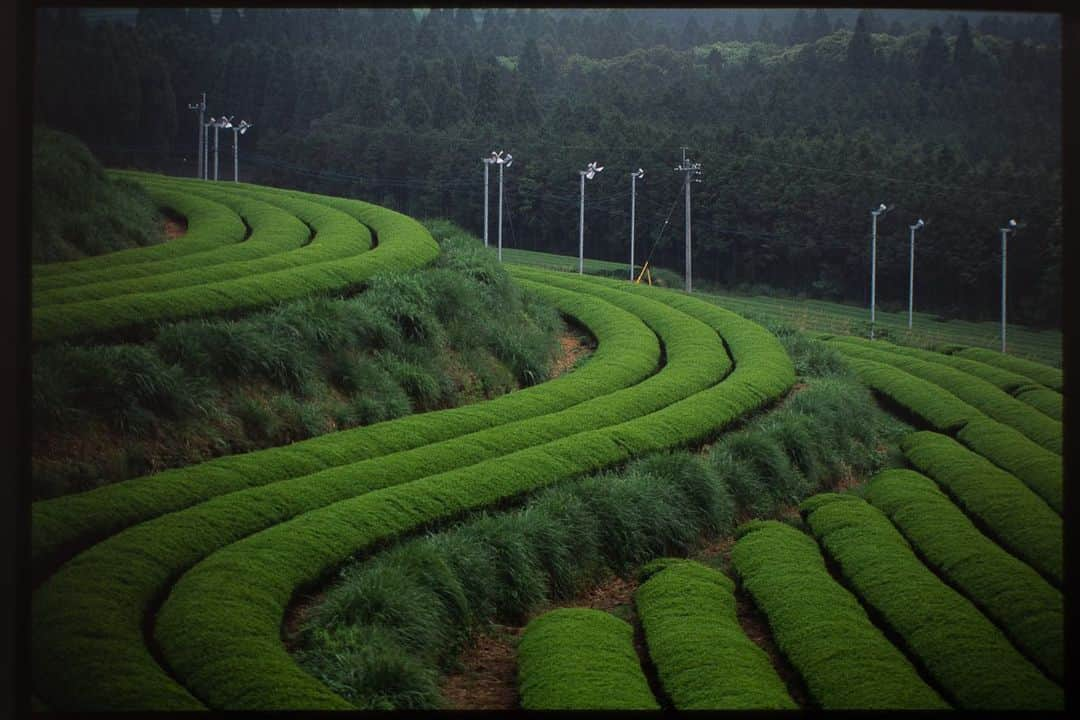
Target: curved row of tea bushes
x,y
1042,374
702,656
1045,400
1026,607
1021,387
210,225
274,233
581,659
403,244
1002,506
142,560
820,627
219,628
965,654
627,352
1007,448
976,392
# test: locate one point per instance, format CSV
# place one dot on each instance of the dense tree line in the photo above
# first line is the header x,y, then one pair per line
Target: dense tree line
x,y
802,121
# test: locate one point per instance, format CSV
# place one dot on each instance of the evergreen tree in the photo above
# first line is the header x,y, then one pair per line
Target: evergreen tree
x,y
860,51
739,30
487,109
819,25
934,57
800,28
963,52
530,64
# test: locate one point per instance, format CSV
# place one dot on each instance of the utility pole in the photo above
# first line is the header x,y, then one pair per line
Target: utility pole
x,y
911,272
238,130
222,122
881,210
633,201
588,173
506,161
691,171
494,157
201,107
206,149
1011,227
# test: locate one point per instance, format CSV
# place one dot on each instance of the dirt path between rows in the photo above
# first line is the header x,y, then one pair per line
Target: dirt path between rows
x,y
174,228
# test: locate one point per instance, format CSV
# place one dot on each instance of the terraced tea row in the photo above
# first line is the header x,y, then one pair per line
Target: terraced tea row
x,y
961,650
334,261
1027,608
1006,447
703,658
292,561
821,628
973,390
581,659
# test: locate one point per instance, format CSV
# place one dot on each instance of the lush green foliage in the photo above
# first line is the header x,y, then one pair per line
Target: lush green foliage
x,y
451,332
429,594
821,628
974,391
794,119
1039,373
274,232
1019,386
1027,608
1037,467
78,210
581,659
210,225
627,352
403,244
1001,505
703,658
965,654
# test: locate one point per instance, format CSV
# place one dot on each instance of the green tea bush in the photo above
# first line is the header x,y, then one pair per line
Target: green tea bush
x,y
1039,373
1005,508
581,659
77,208
823,631
969,658
702,657
1037,467
1027,608
627,352
975,391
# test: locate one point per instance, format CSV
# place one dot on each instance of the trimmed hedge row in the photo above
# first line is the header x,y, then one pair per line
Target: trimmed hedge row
x,y
1045,400
144,558
581,659
1027,608
969,658
210,225
219,627
845,661
274,233
703,658
403,243
978,393
1037,467
1005,508
627,352
1039,373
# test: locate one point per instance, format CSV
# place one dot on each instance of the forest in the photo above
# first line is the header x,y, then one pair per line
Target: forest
x,y
803,121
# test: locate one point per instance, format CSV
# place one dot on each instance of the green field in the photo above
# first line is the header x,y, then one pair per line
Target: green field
x,y
170,591
928,330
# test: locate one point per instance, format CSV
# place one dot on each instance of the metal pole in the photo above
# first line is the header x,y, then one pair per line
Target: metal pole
x,y
873,272
581,230
500,208
216,128
1004,235
633,199
206,152
235,155
911,279
688,269
487,166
